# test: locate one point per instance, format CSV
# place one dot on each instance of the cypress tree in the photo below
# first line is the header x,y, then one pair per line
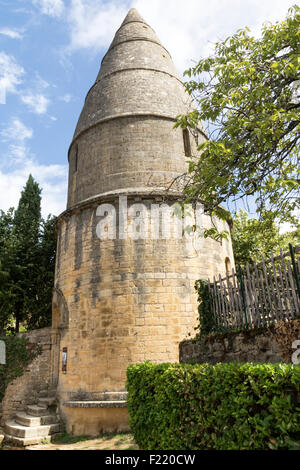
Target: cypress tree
x,y
26,231
6,245
41,311
27,262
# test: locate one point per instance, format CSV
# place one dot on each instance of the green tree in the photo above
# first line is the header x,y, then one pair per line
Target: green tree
x,y
248,94
27,258
253,238
26,231
40,315
6,245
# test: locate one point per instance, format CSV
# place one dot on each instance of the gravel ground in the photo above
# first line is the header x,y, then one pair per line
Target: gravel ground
x,y
106,442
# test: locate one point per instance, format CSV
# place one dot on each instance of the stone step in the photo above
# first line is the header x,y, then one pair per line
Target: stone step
x,y
26,420
35,410
21,442
12,428
47,393
48,401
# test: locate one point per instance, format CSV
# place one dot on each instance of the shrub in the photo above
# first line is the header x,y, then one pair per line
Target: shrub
x,y
226,406
18,354
207,323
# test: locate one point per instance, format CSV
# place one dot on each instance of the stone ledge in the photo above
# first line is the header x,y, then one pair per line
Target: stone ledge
x,y
95,396
96,404
130,193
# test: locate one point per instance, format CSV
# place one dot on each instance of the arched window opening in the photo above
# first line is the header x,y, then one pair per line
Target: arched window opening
x,y
60,311
228,265
187,143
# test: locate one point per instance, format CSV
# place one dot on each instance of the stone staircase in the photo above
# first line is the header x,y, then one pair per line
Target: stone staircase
x,y
38,422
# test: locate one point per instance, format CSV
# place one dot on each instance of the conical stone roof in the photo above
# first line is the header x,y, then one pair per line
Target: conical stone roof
x,y
133,16
137,77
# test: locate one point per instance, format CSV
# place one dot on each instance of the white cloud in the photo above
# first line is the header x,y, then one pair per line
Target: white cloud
x,y
66,98
11,33
37,103
11,74
52,179
93,23
15,134
34,97
52,8
17,153
16,130
40,83
187,29
16,165
19,162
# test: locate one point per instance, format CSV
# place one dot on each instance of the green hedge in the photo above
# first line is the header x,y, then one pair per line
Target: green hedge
x,y
18,354
227,406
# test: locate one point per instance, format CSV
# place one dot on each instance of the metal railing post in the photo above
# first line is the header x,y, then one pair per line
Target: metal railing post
x,y
295,268
240,275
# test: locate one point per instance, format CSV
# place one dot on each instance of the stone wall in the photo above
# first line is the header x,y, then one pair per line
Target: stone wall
x,y
272,344
129,152
129,300
24,389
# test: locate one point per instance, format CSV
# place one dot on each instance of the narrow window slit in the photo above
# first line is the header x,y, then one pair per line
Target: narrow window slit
x,y
76,158
187,143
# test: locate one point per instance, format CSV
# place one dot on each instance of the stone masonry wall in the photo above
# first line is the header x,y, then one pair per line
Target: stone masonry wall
x,y
129,300
272,344
143,152
24,390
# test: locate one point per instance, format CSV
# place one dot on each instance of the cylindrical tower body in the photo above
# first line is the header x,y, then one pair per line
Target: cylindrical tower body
x,y
124,283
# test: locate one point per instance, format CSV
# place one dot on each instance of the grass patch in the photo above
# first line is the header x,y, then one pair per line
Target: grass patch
x,y
122,439
65,438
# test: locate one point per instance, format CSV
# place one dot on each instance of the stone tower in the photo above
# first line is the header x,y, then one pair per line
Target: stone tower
x,y
124,299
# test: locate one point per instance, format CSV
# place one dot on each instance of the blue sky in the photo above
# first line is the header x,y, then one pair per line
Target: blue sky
x,y
50,53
